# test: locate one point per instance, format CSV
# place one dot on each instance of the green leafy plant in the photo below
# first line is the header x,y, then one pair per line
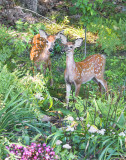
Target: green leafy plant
x,y
31,28
87,9
115,78
108,41
21,113
3,142
7,80
110,34
97,125
11,48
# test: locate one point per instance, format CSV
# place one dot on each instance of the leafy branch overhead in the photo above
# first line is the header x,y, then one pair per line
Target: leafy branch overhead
x,y
88,9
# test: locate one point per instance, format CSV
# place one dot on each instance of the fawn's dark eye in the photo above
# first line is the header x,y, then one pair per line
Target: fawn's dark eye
x,y
46,41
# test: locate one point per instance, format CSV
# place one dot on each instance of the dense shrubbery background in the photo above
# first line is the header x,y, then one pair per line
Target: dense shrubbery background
x,y
31,111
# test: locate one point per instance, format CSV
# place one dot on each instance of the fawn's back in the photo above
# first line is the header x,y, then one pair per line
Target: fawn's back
x,y
92,67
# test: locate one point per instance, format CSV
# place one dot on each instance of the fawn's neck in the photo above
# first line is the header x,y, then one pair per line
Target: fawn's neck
x,y
70,63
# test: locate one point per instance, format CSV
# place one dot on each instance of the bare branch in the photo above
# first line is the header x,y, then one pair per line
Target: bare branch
x,y
38,14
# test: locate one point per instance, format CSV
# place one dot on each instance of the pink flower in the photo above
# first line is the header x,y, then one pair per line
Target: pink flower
x,y
33,144
34,151
39,145
37,153
52,153
35,157
44,144
48,149
47,156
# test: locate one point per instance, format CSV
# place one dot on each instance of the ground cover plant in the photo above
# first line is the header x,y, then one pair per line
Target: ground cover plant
x,y
34,121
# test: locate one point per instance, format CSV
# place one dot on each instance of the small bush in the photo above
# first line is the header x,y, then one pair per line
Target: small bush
x,y
31,28
7,80
11,46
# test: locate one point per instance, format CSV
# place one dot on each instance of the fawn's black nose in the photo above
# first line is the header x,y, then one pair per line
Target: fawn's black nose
x,y
50,50
63,50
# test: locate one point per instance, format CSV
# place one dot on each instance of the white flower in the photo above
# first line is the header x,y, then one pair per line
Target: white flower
x,y
69,128
77,118
114,2
93,129
102,131
67,146
122,134
39,96
62,128
81,118
58,142
92,135
88,125
57,157
70,118
113,132
56,99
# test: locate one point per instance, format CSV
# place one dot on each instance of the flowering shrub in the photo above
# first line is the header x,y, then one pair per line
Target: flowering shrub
x,y
79,139
32,152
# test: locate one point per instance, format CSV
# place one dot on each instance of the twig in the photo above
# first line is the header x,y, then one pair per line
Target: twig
x,y
85,40
13,2
108,116
38,14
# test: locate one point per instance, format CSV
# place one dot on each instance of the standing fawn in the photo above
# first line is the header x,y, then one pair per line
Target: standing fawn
x,y
42,46
81,72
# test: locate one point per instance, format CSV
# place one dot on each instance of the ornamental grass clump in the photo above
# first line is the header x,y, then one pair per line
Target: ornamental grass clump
x,y
32,152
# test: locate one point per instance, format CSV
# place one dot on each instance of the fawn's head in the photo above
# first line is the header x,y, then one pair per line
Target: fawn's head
x,y
49,39
70,46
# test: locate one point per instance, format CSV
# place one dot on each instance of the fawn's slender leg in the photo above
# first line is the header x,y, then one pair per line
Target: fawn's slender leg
x,y
50,70
104,84
100,88
77,89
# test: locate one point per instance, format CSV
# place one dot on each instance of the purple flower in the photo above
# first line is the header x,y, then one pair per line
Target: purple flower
x,y
52,153
33,144
17,146
37,153
44,144
21,150
47,149
32,152
47,156
39,145
35,157
7,147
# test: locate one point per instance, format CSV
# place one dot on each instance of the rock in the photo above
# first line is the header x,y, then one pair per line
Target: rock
x,y
46,118
29,4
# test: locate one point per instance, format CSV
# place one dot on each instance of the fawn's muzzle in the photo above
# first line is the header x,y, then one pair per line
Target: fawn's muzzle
x,y
50,50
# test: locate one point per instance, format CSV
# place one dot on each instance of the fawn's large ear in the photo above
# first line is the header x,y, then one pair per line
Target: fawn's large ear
x,y
43,34
78,42
63,39
59,33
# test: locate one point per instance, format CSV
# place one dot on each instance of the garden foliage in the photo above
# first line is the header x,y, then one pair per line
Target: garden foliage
x,y
94,127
